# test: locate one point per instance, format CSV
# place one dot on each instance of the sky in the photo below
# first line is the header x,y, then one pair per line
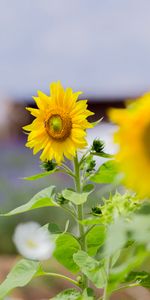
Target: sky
x,y
101,46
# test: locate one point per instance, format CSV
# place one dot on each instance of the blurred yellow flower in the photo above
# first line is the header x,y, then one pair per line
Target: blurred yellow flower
x,y
60,124
133,137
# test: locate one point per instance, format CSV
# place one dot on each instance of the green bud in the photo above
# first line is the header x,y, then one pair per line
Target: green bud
x,y
60,199
48,165
79,280
98,146
96,211
89,164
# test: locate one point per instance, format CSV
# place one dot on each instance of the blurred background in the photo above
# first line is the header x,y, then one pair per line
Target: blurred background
x,y
99,47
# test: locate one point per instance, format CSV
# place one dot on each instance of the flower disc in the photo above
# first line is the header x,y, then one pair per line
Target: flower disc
x,y
58,127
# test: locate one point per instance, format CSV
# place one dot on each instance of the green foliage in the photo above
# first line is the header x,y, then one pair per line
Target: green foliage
x,y
66,246
135,258
70,294
107,173
93,269
113,208
116,236
139,278
102,154
98,149
74,197
131,236
89,164
87,295
60,199
136,228
96,122
118,205
42,199
54,228
88,188
95,239
40,175
20,275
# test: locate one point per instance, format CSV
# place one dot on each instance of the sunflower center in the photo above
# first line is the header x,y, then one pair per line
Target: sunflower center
x,y
146,139
55,123
58,126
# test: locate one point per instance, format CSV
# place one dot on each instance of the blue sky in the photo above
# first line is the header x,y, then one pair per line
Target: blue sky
x,y
101,46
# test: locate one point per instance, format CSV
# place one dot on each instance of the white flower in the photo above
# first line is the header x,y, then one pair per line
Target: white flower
x,y
33,241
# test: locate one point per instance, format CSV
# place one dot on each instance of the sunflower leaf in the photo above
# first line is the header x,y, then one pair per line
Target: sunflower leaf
x,y
91,268
20,275
143,278
95,239
44,198
102,154
54,228
40,175
107,173
70,294
96,122
76,198
66,246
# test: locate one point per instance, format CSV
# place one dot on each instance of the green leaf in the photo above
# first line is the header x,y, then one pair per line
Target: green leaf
x,y
91,221
116,237
66,226
54,228
144,209
96,122
42,199
88,188
143,278
107,173
88,294
134,260
76,198
115,258
20,275
91,268
139,229
40,175
102,154
66,246
70,294
95,239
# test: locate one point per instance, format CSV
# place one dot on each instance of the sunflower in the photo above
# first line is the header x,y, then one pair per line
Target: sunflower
x,y
133,137
60,124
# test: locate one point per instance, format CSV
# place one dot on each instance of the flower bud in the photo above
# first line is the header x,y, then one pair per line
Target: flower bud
x,y
60,199
98,146
48,165
96,211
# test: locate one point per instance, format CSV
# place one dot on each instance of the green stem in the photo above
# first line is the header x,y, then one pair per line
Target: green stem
x,y
80,213
81,228
70,212
126,287
60,276
88,230
105,294
68,170
84,156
